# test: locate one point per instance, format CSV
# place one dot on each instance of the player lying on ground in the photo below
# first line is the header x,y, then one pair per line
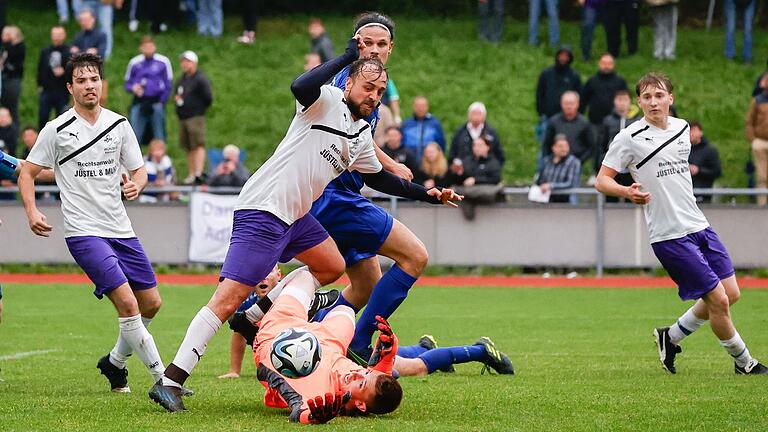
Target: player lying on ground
x,y
271,222
338,386
86,148
655,149
414,360
322,299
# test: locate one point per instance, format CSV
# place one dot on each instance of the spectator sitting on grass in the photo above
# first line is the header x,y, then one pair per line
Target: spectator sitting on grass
x,y
8,132
481,177
574,126
160,170
704,161
320,43
394,148
230,172
433,171
422,128
560,171
461,145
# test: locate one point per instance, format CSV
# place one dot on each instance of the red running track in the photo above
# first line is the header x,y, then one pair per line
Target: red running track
x,y
436,281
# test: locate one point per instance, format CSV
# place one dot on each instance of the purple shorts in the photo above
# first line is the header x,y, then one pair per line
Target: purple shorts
x,y
260,239
111,262
696,262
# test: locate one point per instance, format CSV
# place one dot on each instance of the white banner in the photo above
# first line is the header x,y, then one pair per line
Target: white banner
x,y
210,226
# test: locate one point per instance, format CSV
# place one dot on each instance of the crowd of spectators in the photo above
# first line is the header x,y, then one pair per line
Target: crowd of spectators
x,y
577,120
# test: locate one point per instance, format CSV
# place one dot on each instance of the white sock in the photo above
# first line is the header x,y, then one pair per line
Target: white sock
x,y
141,341
201,330
685,325
122,350
736,347
256,312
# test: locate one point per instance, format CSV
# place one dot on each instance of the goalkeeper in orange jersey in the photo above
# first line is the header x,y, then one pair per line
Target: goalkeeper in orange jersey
x,y
338,386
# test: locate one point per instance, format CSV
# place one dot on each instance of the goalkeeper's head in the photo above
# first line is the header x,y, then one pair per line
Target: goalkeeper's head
x,y
372,392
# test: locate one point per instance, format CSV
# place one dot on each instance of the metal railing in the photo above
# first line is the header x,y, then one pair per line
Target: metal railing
x,y
599,202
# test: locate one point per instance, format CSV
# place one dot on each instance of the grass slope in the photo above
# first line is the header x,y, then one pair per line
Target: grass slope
x,y
441,58
585,361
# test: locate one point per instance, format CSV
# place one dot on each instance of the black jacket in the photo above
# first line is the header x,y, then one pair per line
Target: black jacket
x,y
579,132
553,82
196,95
461,145
14,60
323,47
8,138
705,156
598,93
404,156
484,170
51,57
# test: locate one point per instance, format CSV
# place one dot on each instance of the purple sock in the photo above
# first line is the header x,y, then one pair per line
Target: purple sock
x,y
439,358
410,351
341,301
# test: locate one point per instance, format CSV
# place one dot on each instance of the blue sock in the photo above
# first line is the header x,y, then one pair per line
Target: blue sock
x,y
410,351
387,295
341,301
439,358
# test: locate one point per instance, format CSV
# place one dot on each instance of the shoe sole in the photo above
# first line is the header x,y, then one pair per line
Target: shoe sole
x,y
159,401
658,339
121,390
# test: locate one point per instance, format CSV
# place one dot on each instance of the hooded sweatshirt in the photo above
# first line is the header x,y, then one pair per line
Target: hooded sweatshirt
x,y
553,82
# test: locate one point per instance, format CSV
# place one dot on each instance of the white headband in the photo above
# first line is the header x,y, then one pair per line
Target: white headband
x,y
374,25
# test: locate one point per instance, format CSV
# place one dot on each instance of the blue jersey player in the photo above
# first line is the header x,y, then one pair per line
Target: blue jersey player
x,y
363,230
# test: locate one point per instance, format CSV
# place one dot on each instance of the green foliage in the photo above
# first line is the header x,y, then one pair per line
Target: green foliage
x,y
435,56
584,360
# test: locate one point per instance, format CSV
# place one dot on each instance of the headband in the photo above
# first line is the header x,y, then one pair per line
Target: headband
x,y
374,24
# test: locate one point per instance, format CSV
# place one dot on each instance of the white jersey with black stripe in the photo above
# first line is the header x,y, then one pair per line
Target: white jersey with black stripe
x,y
322,141
86,161
658,159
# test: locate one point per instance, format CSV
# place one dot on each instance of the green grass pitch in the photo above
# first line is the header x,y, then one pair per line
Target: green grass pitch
x,y
585,360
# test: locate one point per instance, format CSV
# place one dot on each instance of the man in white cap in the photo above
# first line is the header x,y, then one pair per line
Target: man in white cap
x,y
193,97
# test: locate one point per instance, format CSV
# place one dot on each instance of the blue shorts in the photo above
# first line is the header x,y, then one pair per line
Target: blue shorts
x,y
696,262
261,239
358,226
111,262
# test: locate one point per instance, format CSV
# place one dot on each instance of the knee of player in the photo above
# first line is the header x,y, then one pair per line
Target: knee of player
x,y
417,260
719,305
733,297
150,309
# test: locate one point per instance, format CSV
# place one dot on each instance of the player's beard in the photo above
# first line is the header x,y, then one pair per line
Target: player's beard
x,y
356,110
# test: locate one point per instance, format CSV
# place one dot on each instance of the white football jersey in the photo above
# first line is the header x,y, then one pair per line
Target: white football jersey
x,y
322,141
86,160
658,159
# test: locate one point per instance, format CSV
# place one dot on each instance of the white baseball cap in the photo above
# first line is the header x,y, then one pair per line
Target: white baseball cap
x,y
189,55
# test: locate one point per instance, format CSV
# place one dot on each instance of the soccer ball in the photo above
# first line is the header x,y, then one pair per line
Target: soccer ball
x,y
295,353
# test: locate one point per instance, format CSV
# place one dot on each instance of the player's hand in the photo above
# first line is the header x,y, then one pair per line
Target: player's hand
x,y
130,190
383,357
637,196
401,171
324,410
360,43
447,196
38,223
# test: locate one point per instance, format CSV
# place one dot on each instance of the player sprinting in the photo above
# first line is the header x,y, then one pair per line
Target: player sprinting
x,y
85,147
327,136
338,386
655,149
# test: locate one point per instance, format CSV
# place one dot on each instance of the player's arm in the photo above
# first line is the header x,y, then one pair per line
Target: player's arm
x,y
133,186
306,88
606,183
38,223
387,183
391,165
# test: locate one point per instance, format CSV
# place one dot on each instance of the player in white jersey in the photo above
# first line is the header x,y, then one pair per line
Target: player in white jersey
x,y
327,136
85,147
655,150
